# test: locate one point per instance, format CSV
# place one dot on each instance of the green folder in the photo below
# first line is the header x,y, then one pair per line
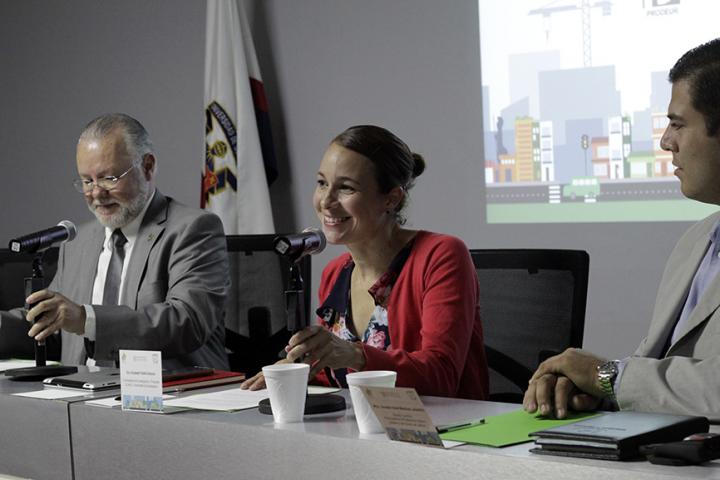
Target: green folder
x,y
510,428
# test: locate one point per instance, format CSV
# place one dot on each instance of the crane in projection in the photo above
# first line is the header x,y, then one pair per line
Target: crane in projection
x,y
585,7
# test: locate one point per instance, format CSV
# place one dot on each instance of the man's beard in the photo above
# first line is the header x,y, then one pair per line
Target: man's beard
x,y
127,211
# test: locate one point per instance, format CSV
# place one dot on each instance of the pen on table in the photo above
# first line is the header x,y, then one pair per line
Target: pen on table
x,y
457,426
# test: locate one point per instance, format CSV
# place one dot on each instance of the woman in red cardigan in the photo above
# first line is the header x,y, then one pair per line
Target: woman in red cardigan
x,y
399,299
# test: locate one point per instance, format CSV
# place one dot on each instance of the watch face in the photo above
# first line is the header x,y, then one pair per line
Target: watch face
x,y
609,368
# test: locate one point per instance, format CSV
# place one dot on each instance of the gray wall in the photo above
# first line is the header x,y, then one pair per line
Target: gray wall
x,y
410,65
63,63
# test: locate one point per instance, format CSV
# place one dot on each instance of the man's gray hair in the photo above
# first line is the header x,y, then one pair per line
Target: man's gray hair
x,y
137,139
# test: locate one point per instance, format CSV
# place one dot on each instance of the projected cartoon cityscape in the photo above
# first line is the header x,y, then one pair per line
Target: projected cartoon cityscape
x,y
565,146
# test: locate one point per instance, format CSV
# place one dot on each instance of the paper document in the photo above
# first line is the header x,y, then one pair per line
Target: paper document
x,y
226,400
53,393
452,444
320,390
108,402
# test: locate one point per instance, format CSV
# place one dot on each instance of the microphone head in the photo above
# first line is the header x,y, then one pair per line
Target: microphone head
x,y
65,231
70,227
322,241
296,246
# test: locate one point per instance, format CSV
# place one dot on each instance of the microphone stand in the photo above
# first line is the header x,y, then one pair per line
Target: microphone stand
x,y
41,370
296,321
295,299
32,285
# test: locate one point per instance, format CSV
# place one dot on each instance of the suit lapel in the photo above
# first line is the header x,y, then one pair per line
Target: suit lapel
x,y
150,230
708,303
81,287
675,294
710,299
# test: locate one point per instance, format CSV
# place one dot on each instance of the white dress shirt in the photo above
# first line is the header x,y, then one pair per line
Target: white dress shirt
x,y
131,232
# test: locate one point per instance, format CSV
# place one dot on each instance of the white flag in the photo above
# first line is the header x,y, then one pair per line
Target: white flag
x,y
234,182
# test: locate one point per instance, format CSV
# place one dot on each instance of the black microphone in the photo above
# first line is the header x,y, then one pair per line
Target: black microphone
x,y
308,242
63,232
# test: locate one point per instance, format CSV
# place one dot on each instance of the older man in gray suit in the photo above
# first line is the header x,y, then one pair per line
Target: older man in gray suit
x,y
150,274
675,368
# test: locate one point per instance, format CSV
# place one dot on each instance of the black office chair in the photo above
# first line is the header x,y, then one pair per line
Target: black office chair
x,y
14,267
532,305
256,320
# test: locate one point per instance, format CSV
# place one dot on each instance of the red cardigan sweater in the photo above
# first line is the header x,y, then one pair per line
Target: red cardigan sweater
x,y
436,339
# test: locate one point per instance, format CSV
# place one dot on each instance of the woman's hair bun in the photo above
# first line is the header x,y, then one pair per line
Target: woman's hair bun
x,y
418,165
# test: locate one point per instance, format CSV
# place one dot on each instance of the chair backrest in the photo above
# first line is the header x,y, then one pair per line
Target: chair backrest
x,y
532,305
256,319
14,267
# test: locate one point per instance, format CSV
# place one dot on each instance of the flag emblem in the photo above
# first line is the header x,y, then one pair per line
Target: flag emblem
x,y
239,159
220,160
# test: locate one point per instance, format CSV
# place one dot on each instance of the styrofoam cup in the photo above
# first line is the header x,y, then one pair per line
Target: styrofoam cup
x,y
366,419
287,387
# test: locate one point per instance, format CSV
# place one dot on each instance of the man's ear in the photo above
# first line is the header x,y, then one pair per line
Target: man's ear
x,y
148,166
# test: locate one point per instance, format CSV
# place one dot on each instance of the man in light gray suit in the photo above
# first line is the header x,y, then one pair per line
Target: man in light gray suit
x,y
150,274
675,368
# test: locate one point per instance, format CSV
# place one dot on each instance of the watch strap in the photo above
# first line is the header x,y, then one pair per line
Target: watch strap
x,y
607,373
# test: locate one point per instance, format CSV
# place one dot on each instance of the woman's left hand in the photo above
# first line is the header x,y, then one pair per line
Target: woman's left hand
x,y
320,348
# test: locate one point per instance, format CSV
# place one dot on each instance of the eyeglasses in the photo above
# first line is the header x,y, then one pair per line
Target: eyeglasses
x,y
105,183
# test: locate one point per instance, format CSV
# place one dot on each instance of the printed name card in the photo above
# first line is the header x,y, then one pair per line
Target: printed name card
x,y
402,414
141,380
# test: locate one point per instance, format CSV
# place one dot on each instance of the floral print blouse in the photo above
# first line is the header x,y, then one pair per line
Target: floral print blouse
x,y
336,313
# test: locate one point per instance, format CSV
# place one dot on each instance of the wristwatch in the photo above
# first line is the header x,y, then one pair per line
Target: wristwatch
x,y
607,373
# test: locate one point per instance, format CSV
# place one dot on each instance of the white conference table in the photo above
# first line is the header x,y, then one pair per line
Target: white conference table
x,y
109,443
65,439
35,441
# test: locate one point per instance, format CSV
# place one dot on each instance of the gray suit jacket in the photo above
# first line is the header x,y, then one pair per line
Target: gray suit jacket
x,y
687,378
173,296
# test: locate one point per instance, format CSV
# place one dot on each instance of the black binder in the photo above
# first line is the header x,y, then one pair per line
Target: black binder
x,y
616,435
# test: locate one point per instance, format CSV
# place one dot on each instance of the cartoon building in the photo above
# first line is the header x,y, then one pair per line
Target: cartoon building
x,y
506,170
547,155
641,164
619,145
491,172
663,160
600,157
527,150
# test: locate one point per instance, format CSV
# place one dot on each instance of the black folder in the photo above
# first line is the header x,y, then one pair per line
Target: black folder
x,y
616,435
